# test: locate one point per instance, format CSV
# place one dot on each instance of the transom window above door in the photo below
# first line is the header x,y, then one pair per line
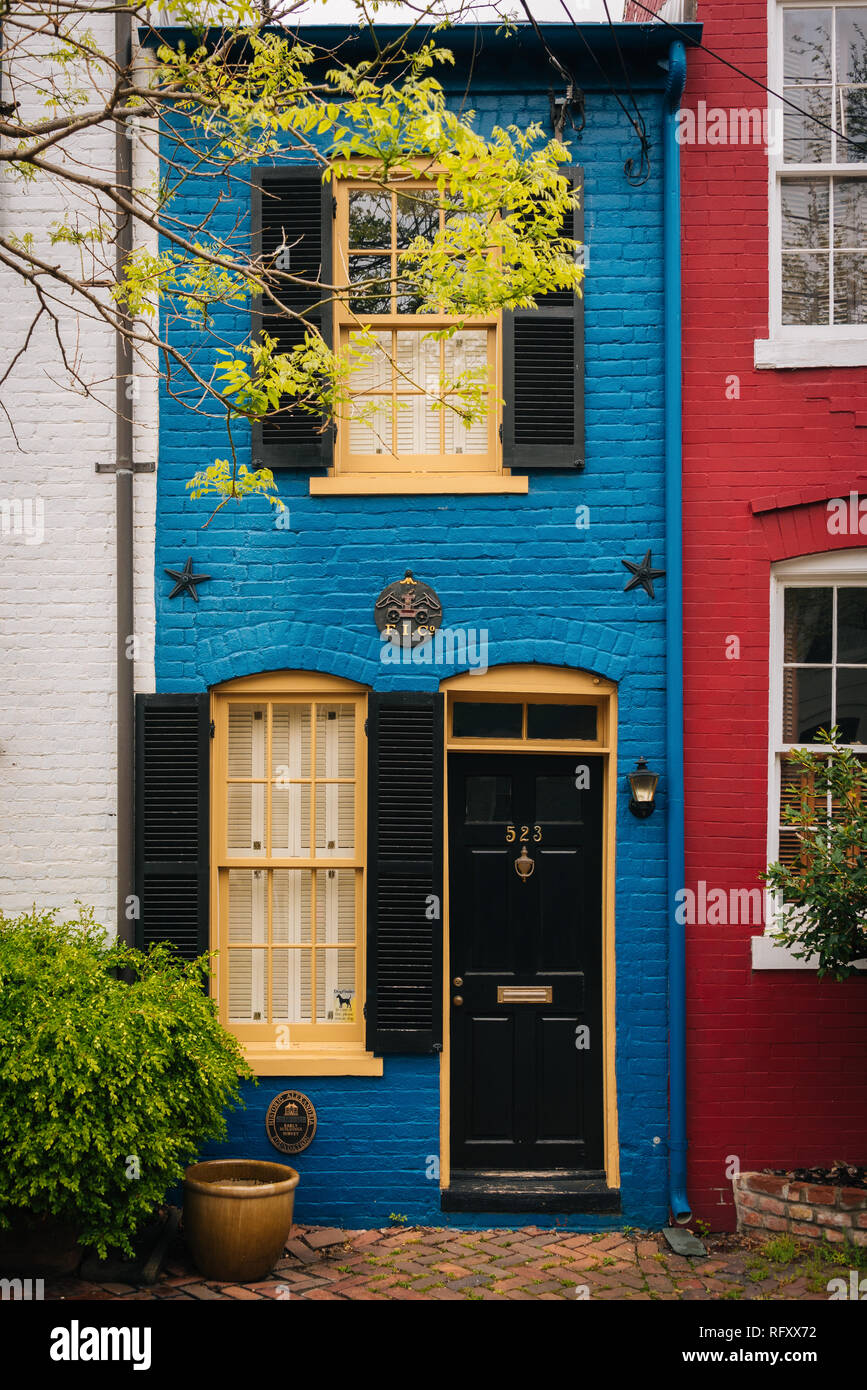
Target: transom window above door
x,y
541,721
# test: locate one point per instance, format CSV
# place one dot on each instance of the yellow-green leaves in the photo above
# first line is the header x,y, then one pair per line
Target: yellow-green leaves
x,y
233,482
309,377
194,281
238,94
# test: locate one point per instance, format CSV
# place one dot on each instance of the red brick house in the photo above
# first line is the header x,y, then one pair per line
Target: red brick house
x,y
775,575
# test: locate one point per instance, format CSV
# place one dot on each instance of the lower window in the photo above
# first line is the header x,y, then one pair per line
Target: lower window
x,y
292,946
288,835
818,678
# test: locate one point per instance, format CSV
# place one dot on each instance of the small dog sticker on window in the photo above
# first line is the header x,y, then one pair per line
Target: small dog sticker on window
x,y
344,1005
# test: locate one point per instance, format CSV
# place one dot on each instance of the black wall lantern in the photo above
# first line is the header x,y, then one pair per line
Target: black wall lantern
x,y
643,783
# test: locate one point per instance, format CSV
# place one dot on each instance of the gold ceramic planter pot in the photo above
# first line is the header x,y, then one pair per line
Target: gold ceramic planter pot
x,y
237,1216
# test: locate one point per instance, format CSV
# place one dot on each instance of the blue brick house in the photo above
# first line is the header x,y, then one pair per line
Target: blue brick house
x,y
395,728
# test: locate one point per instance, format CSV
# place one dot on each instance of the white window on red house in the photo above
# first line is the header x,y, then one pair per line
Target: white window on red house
x,y
818,672
822,174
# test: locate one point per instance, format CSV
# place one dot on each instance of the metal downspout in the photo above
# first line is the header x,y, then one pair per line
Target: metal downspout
x,y
125,616
677,1142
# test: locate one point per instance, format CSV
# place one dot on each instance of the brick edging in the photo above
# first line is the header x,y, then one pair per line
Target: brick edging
x,y
807,1210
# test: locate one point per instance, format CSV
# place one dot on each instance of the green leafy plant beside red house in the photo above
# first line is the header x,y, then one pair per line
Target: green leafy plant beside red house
x,y
821,891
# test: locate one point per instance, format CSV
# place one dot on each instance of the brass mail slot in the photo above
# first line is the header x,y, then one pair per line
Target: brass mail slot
x,y
524,994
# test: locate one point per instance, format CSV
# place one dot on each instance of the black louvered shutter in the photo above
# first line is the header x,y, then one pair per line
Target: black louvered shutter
x,y
172,741
543,374
404,912
292,208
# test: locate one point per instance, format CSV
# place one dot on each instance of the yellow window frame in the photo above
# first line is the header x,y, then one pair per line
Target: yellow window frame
x,y
281,1047
424,472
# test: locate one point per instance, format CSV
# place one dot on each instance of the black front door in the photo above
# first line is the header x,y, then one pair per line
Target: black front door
x,y
525,892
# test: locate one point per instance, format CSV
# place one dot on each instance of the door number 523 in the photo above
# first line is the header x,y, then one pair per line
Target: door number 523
x,y
511,833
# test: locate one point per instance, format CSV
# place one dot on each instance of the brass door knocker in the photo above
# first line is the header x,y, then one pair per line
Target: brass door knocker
x,y
524,865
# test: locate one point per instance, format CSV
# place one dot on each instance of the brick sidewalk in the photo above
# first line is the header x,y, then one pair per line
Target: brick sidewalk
x,y
424,1263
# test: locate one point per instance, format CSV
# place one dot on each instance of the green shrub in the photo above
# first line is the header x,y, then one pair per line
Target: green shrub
x,y
109,1084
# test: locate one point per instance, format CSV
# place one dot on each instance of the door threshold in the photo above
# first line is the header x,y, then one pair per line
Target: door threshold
x,y
560,1191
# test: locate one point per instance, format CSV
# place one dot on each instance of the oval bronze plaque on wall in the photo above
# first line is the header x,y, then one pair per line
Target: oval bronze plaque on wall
x,y
291,1122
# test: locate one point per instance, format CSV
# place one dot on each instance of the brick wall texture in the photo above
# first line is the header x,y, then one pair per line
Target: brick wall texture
x,y
57,551
808,1211
518,568
776,1059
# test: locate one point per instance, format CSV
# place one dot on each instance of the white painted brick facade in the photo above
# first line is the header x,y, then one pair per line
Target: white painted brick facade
x,y
57,597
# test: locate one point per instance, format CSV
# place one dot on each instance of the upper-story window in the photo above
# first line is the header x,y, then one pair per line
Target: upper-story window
x,y
431,402
405,413
820,286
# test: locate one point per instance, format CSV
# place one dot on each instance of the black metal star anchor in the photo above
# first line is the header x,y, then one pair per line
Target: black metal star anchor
x,y
186,580
642,574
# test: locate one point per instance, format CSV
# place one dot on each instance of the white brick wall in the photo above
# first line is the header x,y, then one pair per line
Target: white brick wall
x,y
57,606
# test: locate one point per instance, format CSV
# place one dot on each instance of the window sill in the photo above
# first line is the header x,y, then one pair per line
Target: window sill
x,y
287,1062
402,484
770,955
809,352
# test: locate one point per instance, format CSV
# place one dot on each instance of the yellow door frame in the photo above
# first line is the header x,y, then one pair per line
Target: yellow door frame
x,y
546,683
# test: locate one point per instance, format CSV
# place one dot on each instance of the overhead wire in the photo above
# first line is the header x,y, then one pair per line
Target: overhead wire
x,y
636,121
573,98
645,144
683,34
